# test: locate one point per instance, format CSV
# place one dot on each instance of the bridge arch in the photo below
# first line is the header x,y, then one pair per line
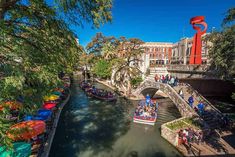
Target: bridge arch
x,y
183,107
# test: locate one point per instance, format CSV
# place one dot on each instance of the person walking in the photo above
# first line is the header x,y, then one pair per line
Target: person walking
x,y
191,101
181,93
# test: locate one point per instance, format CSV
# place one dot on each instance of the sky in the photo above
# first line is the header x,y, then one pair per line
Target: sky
x,y
157,20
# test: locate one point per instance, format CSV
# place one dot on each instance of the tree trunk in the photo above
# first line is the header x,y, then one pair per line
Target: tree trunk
x,y
129,87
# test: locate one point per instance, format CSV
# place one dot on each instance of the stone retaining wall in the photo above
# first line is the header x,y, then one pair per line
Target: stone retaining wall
x,y
170,135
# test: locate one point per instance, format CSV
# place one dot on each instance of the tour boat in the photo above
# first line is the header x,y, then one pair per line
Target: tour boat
x,y
149,117
145,120
105,97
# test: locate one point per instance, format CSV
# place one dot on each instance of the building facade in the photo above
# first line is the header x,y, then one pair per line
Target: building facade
x,y
155,54
181,51
158,54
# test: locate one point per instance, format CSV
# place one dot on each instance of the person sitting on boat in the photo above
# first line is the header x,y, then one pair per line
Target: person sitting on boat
x,y
146,114
110,94
141,111
94,89
152,113
137,112
147,99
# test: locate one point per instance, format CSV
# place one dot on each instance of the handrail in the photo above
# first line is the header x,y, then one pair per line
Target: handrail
x,y
185,102
198,151
204,99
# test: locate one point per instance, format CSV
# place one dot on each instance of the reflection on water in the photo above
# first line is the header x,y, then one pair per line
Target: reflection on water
x,y
89,127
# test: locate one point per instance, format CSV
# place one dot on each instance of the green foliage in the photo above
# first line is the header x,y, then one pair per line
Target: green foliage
x,y
36,44
184,123
222,51
95,11
101,43
230,17
136,81
102,69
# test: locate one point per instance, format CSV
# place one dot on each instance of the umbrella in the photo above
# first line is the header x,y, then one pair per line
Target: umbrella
x,y
20,149
26,130
49,106
58,93
59,89
14,105
28,118
51,97
44,113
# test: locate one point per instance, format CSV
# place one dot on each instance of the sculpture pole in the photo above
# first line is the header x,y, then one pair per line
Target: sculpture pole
x,y
196,52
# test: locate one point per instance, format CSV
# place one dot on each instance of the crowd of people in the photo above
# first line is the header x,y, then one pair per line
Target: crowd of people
x,y
189,135
146,108
171,80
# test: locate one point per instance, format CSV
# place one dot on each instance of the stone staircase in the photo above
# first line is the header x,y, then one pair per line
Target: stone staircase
x,y
211,116
157,70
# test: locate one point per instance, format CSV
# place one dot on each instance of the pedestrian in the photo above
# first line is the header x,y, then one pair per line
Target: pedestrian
x,y
181,93
191,101
167,78
156,78
201,107
176,81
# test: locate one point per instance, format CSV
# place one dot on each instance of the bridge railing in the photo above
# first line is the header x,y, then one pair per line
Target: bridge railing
x,y
180,102
188,67
202,98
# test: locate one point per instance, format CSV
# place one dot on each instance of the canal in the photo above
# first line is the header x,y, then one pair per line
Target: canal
x,y
92,128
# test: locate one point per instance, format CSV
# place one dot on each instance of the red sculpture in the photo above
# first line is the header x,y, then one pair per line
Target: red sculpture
x,y
196,54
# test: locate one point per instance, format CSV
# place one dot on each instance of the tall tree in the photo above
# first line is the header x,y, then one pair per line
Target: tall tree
x,y
99,42
127,68
223,48
123,54
222,51
36,44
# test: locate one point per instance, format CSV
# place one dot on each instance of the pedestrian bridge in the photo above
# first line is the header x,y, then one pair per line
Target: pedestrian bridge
x,y
183,107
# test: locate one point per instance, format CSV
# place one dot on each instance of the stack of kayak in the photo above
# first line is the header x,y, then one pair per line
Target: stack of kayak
x,y
146,112
30,133
101,94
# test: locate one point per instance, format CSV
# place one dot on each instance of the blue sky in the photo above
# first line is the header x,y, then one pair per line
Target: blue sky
x,y
157,20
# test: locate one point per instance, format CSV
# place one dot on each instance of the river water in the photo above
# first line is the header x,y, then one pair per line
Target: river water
x,y
92,128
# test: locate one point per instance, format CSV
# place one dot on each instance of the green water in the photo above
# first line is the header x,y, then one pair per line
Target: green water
x,y
92,128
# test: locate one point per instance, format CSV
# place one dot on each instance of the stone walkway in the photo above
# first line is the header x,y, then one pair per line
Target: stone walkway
x,y
215,144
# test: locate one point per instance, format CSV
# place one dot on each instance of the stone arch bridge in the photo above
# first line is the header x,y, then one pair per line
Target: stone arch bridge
x,y
183,107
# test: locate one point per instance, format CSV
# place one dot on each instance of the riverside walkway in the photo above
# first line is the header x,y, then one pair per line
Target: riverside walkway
x,y
215,144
